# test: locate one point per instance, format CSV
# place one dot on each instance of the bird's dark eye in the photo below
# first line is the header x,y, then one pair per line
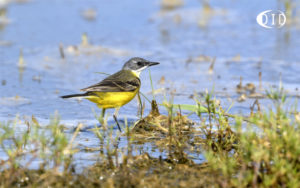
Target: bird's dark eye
x,y
139,63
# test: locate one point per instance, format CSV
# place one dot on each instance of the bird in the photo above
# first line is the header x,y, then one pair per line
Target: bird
x,y
117,89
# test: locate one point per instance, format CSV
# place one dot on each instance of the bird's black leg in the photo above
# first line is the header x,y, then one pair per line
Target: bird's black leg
x,y
115,117
102,116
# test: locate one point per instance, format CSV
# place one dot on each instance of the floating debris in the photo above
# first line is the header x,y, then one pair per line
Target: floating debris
x,y
171,4
157,91
14,101
203,58
86,48
73,50
250,87
236,58
89,14
162,80
5,43
37,78
3,18
256,95
247,91
242,98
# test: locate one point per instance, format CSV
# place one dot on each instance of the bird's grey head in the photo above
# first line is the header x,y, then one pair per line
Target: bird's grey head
x,y
138,64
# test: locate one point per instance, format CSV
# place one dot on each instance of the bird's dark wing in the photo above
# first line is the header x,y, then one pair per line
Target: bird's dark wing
x,y
118,82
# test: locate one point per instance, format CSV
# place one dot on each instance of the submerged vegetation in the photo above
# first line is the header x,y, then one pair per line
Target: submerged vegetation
x,y
259,150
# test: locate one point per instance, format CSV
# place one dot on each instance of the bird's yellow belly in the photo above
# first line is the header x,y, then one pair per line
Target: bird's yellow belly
x,y
112,99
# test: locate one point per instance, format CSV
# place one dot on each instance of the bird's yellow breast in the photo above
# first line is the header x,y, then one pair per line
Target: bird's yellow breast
x,y
112,99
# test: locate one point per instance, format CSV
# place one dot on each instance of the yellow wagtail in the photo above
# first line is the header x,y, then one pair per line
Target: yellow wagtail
x,y
118,89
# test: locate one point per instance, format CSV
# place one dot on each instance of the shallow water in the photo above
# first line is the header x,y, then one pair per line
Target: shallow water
x,y
180,39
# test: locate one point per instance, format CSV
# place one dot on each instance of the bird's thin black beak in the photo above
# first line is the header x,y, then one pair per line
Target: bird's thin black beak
x,y
152,63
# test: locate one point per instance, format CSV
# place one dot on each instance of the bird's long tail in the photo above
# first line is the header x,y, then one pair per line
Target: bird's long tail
x,y
74,95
